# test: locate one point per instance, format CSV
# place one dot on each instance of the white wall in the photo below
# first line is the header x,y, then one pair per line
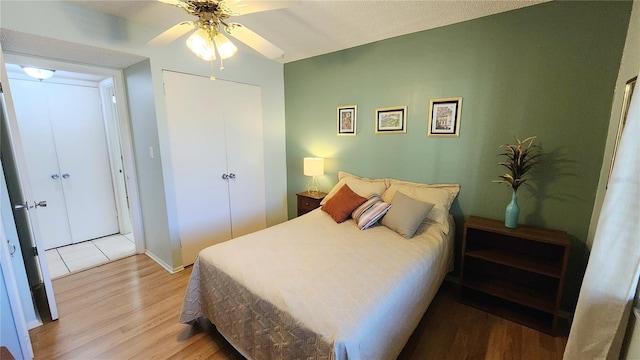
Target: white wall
x,y
63,21
7,322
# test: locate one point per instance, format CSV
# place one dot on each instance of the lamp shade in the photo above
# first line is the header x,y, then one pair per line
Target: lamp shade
x,y
200,43
226,49
313,166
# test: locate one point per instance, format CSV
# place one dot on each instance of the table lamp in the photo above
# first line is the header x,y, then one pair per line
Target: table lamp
x,y
313,166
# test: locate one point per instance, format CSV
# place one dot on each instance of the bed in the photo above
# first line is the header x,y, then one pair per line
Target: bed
x,y
314,288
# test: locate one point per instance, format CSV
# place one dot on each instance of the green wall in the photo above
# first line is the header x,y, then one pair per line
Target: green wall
x,y
548,70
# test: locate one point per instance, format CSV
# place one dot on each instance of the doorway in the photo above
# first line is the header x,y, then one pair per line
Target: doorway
x,y
90,221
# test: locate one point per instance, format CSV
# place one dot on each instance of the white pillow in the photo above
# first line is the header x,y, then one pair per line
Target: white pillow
x,y
361,186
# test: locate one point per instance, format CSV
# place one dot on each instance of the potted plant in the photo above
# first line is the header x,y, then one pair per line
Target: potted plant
x,y
519,159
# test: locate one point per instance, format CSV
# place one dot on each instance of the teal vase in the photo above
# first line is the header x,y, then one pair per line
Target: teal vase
x,y
512,212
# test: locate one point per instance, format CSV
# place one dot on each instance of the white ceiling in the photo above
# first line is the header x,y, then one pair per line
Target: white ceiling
x,y
309,28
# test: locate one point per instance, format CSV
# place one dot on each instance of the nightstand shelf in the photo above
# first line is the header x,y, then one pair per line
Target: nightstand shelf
x,y
514,273
522,295
308,201
515,260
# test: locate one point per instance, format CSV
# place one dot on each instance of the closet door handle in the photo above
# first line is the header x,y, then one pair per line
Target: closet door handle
x,y
232,176
225,177
65,176
13,248
55,176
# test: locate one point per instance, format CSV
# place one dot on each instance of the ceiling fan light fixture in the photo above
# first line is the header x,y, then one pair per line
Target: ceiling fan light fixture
x,y
36,73
226,49
200,43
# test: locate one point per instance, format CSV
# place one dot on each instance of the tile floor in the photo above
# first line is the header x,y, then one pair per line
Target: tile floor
x,y
71,258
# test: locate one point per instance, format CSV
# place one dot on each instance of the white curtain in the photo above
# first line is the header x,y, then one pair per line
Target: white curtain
x,y
611,278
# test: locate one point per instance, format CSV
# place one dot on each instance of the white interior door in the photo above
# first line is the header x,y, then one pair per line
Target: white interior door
x,y
19,187
198,158
15,251
110,111
30,102
83,157
245,156
68,159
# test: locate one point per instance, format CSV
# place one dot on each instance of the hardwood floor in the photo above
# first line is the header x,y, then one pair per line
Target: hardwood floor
x,y
129,309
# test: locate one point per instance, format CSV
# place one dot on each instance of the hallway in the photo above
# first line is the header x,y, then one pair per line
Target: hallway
x,y
71,258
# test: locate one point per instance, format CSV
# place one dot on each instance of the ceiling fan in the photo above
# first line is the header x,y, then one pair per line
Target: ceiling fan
x,y
212,23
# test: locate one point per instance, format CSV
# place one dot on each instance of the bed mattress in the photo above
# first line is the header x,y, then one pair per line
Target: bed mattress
x,y
310,288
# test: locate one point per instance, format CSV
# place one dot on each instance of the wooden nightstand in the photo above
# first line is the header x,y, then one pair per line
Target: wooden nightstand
x,y
514,273
308,201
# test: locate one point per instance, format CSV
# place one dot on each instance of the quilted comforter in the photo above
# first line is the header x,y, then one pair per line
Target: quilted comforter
x,y
313,289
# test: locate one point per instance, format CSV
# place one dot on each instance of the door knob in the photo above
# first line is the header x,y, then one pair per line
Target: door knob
x,y
54,176
225,176
20,206
65,175
232,176
13,248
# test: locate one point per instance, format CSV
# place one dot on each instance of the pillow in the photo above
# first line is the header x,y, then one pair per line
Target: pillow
x,y
370,212
441,195
343,203
451,188
406,214
361,186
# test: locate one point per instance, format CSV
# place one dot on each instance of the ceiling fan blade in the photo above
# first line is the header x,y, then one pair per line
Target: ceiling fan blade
x,y
255,41
242,7
171,34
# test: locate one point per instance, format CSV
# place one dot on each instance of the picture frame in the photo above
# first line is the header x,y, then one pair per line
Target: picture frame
x,y
444,117
626,102
391,120
347,120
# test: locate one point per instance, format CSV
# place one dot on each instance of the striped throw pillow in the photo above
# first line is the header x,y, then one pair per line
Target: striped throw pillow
x,y
370,212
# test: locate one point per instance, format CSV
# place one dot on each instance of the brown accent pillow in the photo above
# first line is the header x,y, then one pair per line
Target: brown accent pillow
x,y
343,203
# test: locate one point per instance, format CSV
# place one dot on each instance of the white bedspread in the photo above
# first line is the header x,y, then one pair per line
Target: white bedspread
x,y
362,292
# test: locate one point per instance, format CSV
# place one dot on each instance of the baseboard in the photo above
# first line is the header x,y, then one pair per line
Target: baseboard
x,y
33,324
166,266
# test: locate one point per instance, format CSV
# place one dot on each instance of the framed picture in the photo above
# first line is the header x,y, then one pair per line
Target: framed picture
x,y
444,117
391,120
347,119
626,101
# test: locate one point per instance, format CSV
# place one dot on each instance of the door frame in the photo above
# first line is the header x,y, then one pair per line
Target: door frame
x,y
124,126
14,300
112,130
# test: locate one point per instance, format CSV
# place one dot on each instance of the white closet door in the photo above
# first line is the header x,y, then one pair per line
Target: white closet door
x,y
81,145
245,156
197,141
32,112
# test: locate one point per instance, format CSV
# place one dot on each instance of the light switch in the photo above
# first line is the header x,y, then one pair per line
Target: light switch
x,y
151,155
